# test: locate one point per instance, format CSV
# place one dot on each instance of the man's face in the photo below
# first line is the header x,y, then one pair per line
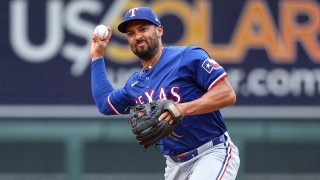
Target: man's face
x,y
143,38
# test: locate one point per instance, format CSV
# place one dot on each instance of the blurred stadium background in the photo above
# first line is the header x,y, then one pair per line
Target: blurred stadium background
x,y
51,130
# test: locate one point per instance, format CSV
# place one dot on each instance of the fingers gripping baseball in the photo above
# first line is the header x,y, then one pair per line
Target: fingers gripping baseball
x,y
99,45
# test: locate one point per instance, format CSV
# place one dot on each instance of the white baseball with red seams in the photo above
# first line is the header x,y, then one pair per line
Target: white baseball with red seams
x,y
102,31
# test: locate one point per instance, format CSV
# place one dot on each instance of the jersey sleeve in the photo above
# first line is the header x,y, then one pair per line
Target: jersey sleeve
x,y
119,100
108,100
196,64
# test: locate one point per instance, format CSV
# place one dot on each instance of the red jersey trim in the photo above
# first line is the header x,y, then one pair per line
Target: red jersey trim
x,y
112,107
217,80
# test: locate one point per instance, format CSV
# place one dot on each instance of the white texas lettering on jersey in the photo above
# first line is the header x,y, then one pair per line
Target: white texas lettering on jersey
x,y
174,92
162,95
149,95
140,100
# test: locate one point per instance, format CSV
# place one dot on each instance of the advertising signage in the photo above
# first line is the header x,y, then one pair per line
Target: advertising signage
x,y
270,48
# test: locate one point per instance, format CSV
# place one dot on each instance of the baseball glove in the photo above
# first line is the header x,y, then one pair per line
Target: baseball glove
x,y
145,124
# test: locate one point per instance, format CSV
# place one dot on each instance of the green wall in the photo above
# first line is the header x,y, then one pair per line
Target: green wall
x,y
77,149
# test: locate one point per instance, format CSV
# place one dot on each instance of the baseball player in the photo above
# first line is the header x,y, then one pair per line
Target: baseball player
x,y
199,148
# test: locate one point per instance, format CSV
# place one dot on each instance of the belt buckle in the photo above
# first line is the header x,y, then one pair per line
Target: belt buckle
x,y
186,155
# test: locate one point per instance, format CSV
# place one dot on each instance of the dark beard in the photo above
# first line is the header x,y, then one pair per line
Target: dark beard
x,y
150,50
145,54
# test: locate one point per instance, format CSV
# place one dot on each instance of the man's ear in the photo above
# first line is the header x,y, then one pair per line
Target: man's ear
x,y
159,31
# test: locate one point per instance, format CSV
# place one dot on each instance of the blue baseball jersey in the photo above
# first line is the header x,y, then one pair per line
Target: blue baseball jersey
x,y
182,74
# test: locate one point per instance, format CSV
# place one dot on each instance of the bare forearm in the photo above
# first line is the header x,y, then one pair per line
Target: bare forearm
x,y
220,96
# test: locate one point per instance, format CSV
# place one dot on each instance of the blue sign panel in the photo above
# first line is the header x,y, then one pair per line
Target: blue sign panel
x,y
270,49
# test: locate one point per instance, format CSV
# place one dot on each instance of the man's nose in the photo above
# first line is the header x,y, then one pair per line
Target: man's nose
x,y
138,36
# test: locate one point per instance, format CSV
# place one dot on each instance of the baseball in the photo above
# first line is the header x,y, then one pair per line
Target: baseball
x,y
102,31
